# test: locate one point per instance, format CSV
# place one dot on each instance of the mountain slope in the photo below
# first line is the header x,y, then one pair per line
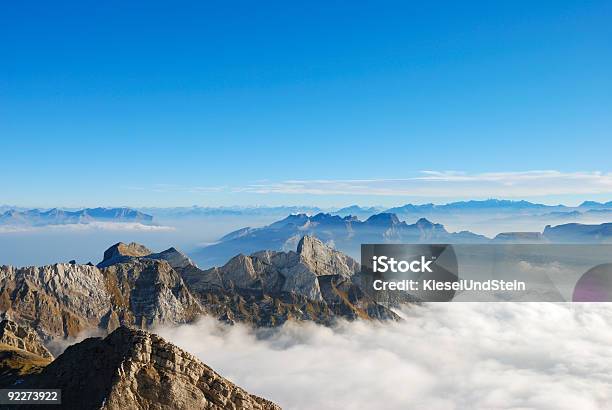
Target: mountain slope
x,y
132,286
62,300
267,288
574,232
134,369
21,353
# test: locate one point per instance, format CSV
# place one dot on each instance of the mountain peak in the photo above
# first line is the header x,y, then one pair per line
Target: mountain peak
x,y
131,249
310,244
121,251
424,223
324,260
137,369
384,218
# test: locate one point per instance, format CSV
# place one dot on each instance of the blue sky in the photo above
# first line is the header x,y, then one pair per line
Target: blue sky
x,y
330,103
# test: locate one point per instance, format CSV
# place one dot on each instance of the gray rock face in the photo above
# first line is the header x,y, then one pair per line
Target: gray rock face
x,y
56,300
135,287
62,300
323,260
12,334
292,272
134,369
148,292
267,287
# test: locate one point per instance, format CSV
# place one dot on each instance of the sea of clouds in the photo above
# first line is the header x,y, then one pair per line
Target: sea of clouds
x,y
442,356
86,226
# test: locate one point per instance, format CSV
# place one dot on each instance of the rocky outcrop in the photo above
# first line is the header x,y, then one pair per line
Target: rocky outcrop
x,y
134,369
267,288
133,286
21,337
323,260
62,300
121,252
148,292
55,300
277,272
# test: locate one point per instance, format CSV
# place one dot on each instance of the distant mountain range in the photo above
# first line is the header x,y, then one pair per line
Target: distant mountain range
x,y
489,207
574,232
202,211
55,216
348,233
500,207
475,213
344,233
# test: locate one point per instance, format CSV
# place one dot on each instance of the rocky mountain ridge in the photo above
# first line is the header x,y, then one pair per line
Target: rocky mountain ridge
x,y
62,300
133,286
314,283
135,369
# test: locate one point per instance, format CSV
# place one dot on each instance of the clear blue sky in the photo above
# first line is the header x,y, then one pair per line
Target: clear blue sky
x,y
221,103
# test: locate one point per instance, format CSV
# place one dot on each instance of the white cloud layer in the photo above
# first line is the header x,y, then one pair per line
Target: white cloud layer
x,y
89,226
445,184
444,356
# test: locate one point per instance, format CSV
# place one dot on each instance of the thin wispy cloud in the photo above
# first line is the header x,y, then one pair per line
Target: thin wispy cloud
x,y
172,188
427,184
450,184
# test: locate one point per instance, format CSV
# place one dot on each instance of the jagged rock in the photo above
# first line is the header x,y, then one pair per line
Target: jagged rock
x,y
55,300
135,287
267,288
296,272
323,260
63,300
149,292
22,338
134,369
